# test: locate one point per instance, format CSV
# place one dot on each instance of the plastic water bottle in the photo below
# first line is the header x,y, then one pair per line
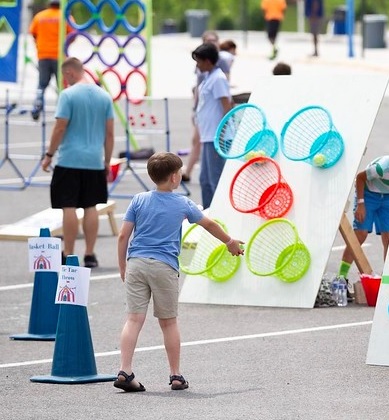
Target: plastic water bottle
x,y
342,294
335,289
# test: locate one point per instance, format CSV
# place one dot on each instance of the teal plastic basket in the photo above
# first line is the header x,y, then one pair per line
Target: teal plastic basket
x,y
244,130
310,136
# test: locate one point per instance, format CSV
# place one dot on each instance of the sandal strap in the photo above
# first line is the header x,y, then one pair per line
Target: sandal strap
x,y
128,378
179,378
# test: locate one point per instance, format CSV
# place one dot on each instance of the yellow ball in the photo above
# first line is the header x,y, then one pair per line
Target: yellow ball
x,y
319,159
254,154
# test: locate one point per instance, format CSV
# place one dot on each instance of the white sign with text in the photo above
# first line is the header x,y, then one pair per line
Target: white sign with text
x,y
73,285
44,254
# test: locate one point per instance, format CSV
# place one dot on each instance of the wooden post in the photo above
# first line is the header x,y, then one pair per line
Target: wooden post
x,y
352,242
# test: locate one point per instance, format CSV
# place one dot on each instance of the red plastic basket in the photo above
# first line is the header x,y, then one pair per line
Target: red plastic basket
x,y
258,187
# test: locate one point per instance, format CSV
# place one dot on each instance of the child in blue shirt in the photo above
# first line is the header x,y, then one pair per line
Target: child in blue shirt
x,y
149,264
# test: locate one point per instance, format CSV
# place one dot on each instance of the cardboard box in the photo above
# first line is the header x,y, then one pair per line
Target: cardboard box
x,y
359,293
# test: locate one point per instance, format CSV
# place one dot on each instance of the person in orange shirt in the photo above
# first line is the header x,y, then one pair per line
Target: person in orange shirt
x,y
44,28
274,14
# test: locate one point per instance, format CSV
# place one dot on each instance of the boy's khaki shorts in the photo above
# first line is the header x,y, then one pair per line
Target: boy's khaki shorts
x,y
146,277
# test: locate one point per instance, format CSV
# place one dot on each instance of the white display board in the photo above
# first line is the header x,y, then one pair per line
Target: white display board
x,y
378,351
320,195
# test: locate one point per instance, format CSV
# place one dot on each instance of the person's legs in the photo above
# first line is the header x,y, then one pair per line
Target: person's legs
x,y
129,337
90,226
315,28
172,342
315,43
382,221
93,190
128,340
54,69
273,27
212,165
44,68
194,155
205,183
138,295
348,256
385,243
70,229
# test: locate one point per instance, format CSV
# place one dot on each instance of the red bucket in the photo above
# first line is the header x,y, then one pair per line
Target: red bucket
x,y
371,286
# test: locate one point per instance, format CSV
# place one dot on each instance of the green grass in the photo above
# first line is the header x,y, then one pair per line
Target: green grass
x,y
372,6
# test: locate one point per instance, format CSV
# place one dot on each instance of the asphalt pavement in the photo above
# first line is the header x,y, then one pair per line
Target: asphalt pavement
x,y
241,361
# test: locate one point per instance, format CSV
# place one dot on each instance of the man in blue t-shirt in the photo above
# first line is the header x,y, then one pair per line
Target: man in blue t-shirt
x,y
83,135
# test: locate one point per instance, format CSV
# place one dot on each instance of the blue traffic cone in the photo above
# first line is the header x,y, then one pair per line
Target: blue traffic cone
x,y
73,360
44,311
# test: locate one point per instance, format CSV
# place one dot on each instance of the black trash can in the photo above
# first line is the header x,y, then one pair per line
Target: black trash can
x,y
339,19
169,26
197,22
374,29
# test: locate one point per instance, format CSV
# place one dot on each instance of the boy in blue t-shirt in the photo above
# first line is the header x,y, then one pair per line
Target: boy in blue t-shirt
x,y
149,263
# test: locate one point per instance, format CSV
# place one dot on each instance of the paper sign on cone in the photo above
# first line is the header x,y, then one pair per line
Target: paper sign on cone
x,y
73,285
44,254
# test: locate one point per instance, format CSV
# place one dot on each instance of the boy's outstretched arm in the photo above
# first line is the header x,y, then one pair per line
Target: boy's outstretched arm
x,y
123,238
233,245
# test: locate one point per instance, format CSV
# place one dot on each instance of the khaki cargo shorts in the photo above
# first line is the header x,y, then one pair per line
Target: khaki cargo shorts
x,y
146,277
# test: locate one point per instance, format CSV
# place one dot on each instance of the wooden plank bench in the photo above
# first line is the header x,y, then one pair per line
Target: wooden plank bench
x,y
51,219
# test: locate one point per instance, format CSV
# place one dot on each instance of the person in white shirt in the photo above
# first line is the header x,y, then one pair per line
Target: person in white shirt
x,y
214,101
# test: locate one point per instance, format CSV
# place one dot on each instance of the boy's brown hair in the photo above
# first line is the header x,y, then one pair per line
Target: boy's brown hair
x,y
163,164
227,45
282,69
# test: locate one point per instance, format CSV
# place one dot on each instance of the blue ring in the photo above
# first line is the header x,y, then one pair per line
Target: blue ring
x,y
90,7
117,11
126,24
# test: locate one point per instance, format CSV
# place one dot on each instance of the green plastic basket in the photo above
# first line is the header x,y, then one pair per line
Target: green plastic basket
x,y
196,247
275,249
226,264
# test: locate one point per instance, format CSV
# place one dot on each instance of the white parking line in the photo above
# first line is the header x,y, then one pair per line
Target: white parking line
x,y
111,276
28,285
205,342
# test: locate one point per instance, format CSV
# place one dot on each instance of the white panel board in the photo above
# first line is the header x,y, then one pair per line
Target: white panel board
x,y
320,195
378,350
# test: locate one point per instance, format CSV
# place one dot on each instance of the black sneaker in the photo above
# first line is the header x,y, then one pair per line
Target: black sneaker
x,y
90,261
35,113
350,296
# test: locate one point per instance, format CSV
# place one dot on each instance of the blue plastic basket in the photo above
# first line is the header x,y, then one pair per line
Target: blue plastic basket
x,y
310,136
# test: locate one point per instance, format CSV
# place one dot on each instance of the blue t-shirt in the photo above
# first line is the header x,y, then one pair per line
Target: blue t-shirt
x,y
87,107
158,218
